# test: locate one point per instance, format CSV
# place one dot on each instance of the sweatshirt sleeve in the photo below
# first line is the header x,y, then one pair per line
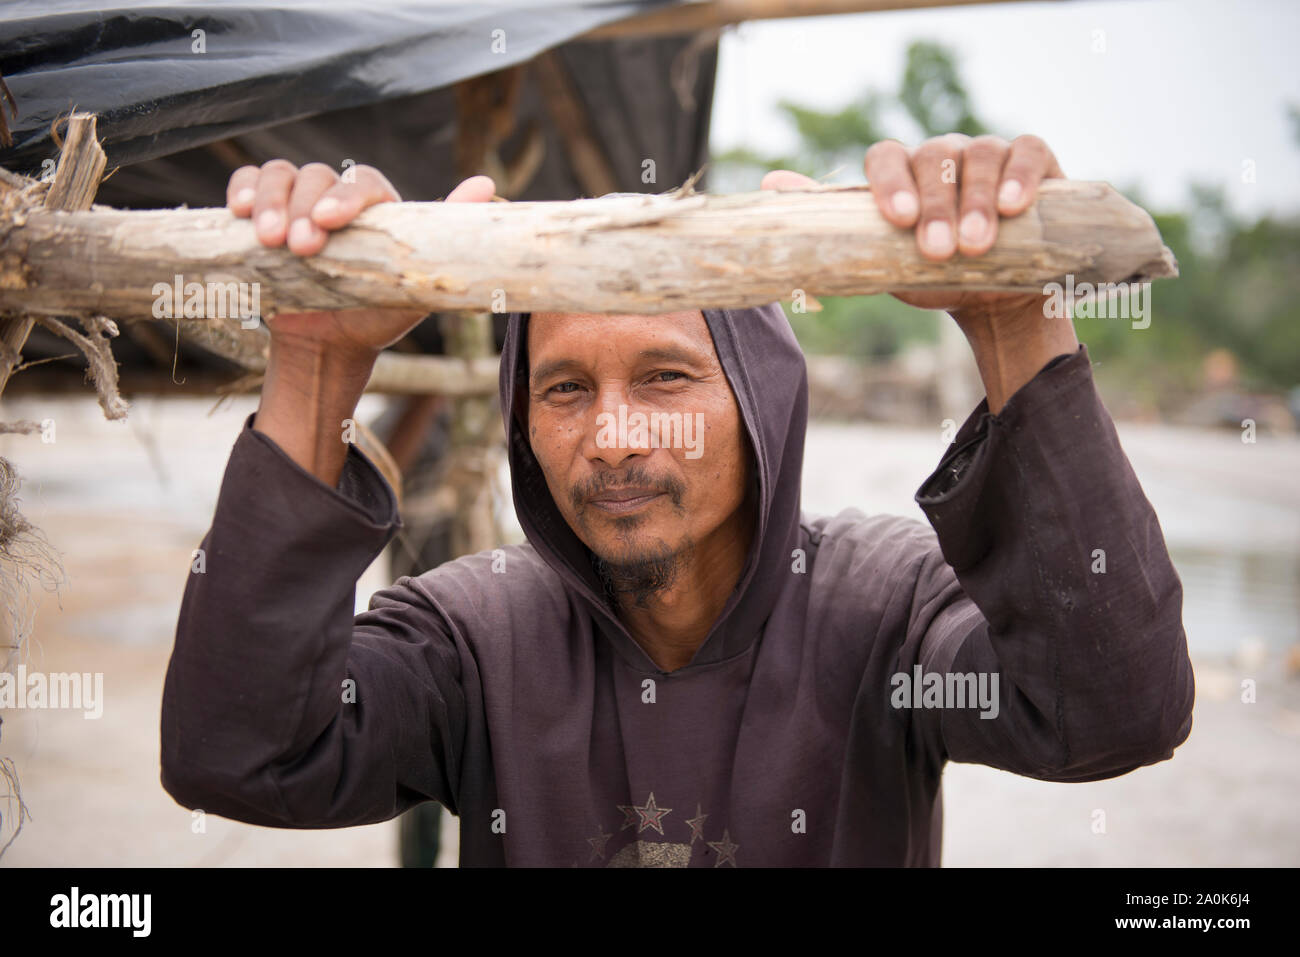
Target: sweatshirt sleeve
x,y
279,707
1054,579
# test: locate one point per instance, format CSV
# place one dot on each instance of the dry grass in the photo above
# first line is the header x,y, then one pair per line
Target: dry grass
x,y
26,558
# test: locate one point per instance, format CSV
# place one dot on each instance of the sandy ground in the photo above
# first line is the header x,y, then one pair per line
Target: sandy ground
x,y
126,503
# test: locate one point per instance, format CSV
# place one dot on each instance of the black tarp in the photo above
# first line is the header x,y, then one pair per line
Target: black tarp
x,y
177,138
263,62
627,89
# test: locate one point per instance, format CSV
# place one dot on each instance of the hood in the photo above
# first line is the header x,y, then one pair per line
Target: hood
x,y
769,379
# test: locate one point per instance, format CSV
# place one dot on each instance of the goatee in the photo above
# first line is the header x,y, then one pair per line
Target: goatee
x,y
651,572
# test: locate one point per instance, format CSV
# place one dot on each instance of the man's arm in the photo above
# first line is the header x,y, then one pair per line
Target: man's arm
x,y
279,708
1054,577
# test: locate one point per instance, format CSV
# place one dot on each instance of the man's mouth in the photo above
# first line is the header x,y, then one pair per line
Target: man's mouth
x,y
623,500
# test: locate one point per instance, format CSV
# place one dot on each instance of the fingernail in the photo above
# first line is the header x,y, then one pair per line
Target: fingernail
x,y
1009,193
973,226
268,221
301,232
245,196
327,207
938,237
904,204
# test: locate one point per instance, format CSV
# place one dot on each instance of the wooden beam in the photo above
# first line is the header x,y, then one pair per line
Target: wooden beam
x,y
76,180
160,349
468,336
51,379
408,436
630,254
695,17
485,117
395,373
572,122
248,348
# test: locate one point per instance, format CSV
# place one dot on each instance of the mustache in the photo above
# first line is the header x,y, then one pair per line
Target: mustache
x,y
634,476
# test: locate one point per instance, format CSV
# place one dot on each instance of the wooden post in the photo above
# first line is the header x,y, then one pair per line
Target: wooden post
x,y
571,120
475,428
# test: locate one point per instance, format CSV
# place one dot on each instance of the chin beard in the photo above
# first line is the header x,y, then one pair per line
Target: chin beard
x,y
651,572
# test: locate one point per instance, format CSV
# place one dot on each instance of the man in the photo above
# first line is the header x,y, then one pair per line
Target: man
x,y
680,667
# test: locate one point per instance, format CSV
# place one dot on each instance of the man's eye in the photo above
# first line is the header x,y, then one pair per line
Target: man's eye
x,y
561,387
668,372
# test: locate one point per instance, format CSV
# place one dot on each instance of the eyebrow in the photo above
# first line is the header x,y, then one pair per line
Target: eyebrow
x,y
658,354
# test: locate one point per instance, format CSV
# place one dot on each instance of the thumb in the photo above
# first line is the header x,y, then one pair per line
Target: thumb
x,y
786,179
476,189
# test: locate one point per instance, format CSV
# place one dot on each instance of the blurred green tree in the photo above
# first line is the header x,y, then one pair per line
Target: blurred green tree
x,y
935,100
1239,285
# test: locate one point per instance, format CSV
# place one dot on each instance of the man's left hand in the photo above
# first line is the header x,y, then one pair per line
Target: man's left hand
x,y
952,190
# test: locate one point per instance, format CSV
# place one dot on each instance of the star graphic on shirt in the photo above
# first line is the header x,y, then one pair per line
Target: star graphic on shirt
x,y
726,850
697,825
598,843
629,816
647,815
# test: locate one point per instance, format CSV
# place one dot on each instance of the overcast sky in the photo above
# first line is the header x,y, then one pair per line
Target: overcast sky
x,y
1185,90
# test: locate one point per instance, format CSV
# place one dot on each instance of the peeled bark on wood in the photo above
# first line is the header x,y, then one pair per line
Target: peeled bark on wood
x,y
619,254
76,180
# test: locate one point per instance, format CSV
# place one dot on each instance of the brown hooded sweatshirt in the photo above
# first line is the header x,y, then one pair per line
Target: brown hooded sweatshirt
x,y
1036,628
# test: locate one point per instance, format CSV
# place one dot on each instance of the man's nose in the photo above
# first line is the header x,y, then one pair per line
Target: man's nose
x,y
617,429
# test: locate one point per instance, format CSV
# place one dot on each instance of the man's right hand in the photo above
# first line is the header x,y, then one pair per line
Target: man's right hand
x,y
320,362
301,207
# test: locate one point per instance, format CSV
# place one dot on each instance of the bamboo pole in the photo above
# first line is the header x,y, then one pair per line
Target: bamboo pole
x,y
617,254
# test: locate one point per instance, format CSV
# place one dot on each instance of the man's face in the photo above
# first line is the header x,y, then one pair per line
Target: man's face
x,y
629,501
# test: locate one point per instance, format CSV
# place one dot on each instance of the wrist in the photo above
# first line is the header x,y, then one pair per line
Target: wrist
x,y
1012,342
308,393
304,357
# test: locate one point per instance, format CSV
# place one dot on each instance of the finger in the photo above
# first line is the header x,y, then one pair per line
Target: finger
x,y
936,166
274,182
786,179
889,171
1029,163
981,171
305,238
342,202
476,189
241,191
